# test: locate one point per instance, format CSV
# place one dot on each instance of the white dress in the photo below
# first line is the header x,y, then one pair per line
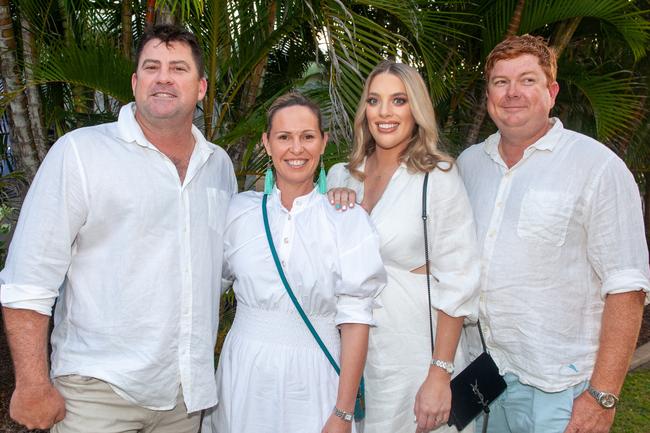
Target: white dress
x,y
272,376
399,351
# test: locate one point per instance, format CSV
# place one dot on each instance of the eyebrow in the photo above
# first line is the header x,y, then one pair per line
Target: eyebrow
x,y
520,75
157,62
293,132
394,94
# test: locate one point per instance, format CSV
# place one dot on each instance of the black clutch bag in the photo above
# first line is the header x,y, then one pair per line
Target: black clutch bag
x,y
473,389
480,383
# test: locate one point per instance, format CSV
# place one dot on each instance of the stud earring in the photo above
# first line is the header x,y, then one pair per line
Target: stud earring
x,y
322,178
268,178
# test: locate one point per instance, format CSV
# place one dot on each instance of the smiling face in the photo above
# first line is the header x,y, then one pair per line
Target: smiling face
x,y
166,84
294,142
388,113
520,98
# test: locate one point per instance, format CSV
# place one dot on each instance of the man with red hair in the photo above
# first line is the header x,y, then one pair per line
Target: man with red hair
x,y
564,259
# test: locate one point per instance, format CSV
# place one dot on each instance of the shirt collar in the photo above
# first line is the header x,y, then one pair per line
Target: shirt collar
x,y
299,204
547,142
128,129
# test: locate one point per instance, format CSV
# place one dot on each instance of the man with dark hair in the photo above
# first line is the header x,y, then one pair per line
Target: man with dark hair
x,y
123,226
564,258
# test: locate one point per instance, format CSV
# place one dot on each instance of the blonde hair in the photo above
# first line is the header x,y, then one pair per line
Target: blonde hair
x,y
422,153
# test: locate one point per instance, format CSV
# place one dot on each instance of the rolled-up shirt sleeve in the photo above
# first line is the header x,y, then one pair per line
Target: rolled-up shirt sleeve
x,y
453,250
362,273
41,249
616,244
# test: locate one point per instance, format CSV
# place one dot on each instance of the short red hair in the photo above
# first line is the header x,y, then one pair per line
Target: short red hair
x,y
515,46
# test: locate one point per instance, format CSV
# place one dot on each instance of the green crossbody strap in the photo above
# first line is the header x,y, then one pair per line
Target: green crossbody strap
x,y
296,304
305,319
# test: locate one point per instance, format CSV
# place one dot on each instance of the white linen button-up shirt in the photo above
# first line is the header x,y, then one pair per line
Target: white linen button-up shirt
x,y
134,258
558,231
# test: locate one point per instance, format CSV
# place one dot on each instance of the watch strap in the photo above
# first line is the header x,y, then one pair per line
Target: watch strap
x,y
345,416
448,366
607,400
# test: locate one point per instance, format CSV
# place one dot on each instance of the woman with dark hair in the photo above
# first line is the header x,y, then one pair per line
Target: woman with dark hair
x,y
395,144
273,377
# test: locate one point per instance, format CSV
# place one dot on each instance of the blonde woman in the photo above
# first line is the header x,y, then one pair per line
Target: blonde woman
x,y
395,145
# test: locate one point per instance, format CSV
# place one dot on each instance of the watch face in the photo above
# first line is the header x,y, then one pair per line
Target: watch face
x,y
608,400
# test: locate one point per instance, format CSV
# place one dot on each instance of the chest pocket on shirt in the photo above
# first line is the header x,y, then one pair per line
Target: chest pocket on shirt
x,y
545,216
218,201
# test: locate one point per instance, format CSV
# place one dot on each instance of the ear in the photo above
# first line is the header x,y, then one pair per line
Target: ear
x,y
203,88
325,138
265,142
134,81
553,90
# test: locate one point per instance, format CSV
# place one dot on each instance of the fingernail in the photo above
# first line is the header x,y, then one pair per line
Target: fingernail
x,y
352,204
338,206
344,207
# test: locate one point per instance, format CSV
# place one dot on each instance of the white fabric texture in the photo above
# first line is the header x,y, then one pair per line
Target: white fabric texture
x,y
558,231
399,350
133,256
272,375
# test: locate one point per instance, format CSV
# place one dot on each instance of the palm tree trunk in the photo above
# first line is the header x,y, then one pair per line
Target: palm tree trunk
x,y
563,33
127,29
481,108
151,14
21,134
35,104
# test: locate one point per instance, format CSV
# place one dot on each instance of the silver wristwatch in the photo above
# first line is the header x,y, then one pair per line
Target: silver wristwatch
x,y
345,416
445,365
605,399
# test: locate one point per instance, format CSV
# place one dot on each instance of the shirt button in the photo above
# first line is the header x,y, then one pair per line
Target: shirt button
x,y
289,217
499,204
284,264
492,233
286,240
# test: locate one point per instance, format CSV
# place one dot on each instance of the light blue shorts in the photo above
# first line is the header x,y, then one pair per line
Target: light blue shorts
x,y
526,409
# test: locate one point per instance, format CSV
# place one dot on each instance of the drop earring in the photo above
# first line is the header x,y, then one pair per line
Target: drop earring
x,y
322,178
268,178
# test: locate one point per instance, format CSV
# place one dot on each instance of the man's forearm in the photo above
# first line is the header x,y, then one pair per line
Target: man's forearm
x,y
619,332
27,334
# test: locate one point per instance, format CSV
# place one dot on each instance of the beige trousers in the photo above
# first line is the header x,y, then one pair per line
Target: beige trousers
x,y
93,407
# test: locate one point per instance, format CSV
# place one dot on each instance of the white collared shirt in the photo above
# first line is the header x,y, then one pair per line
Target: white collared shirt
x,y
558,231
331,259
133,258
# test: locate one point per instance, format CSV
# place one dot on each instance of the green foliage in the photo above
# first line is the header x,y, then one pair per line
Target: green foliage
x,y
633,412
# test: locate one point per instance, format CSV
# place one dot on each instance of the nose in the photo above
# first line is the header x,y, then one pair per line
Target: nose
x,y
385,109
296,145
163,76
512,91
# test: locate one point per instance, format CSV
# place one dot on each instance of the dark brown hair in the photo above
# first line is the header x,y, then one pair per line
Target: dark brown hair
x,y
292,99
168,33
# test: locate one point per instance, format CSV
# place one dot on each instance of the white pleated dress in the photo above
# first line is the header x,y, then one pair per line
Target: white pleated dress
x,y
272,376
399,352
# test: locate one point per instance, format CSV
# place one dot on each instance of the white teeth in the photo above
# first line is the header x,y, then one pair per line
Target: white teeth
x,y
386,125
297,162
164,95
